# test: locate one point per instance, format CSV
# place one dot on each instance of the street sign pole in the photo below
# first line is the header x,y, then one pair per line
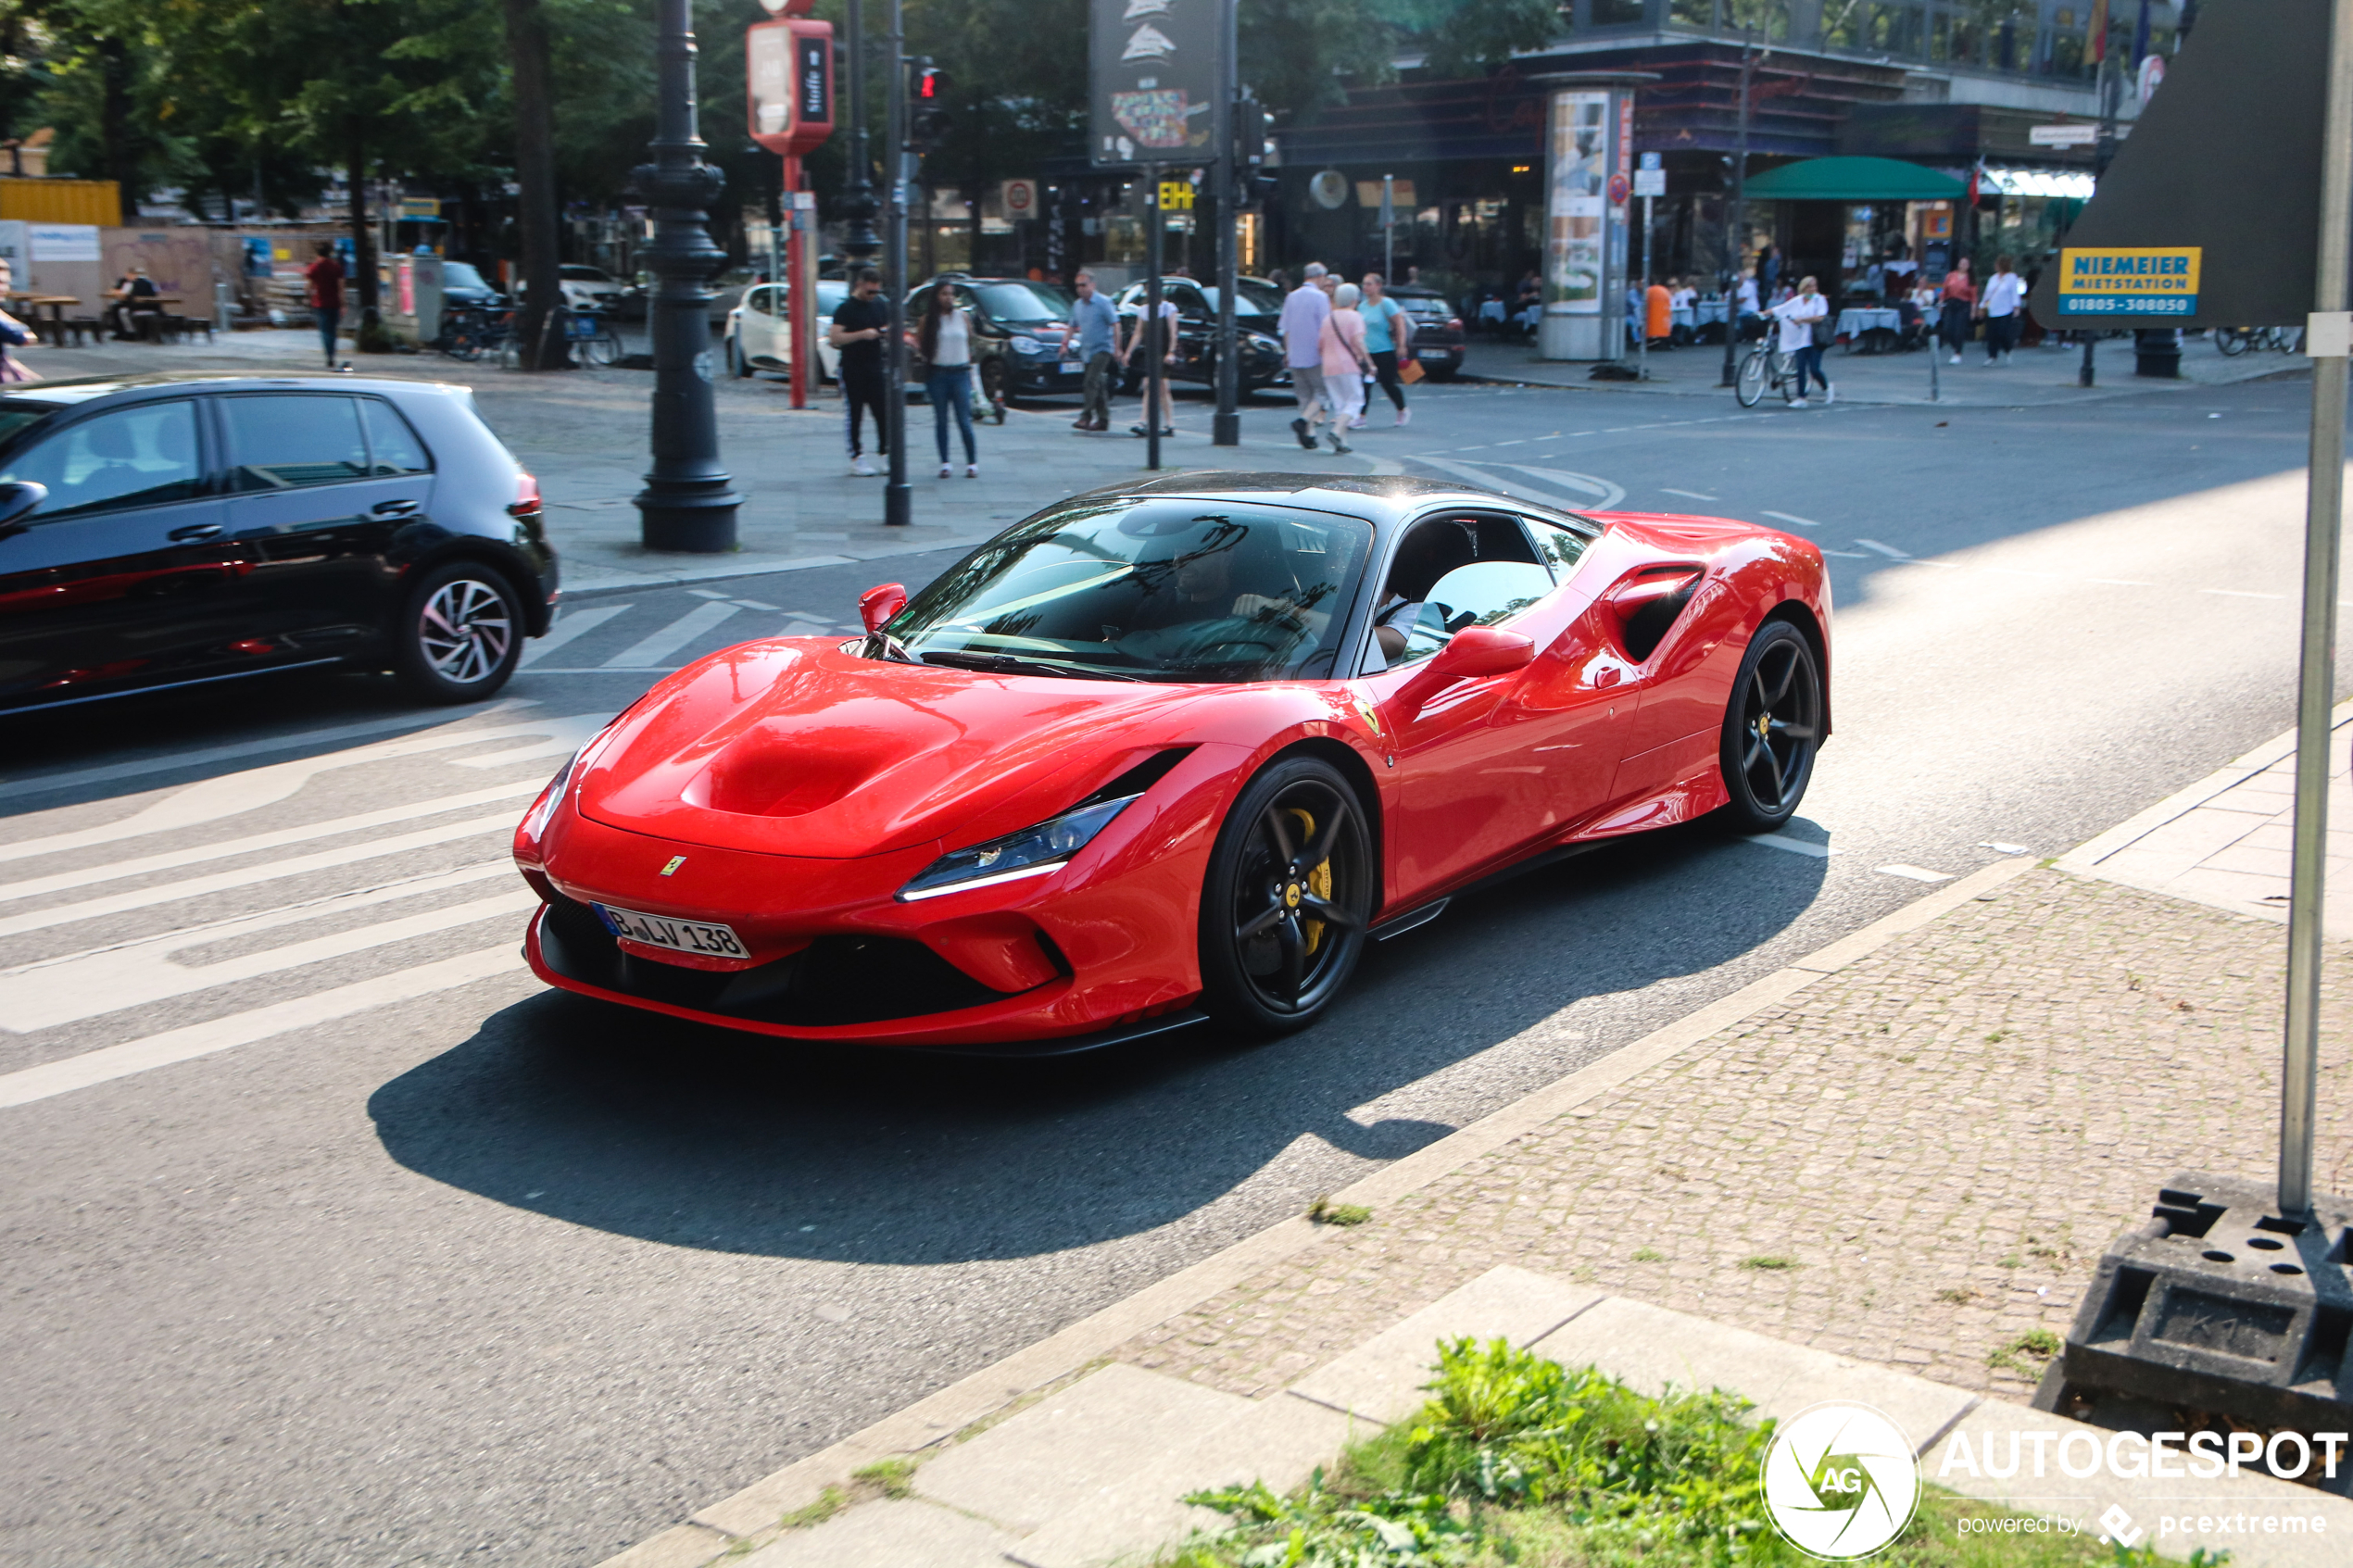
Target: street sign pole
x,y
800,313
1148,330
1643,332
1225,425
2325,340
1388,226
897,499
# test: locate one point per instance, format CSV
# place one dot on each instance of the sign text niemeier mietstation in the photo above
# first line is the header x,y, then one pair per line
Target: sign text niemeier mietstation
x,y
2117,284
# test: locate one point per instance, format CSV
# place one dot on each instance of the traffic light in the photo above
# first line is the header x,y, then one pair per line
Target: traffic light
x,y
1253,144
927,117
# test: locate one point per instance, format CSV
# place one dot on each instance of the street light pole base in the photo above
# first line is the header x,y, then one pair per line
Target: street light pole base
x,y
688,519
1226,430
899,505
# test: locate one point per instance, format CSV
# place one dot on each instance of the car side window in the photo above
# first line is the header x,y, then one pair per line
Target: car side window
x,y
1450,572
1561,548
137,457
288,443
392,447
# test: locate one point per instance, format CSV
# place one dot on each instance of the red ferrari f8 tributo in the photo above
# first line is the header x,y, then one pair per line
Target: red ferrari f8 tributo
x,y
1169,751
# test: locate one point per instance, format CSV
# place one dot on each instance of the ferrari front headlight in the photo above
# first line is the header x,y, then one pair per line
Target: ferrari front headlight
x,y
1034,851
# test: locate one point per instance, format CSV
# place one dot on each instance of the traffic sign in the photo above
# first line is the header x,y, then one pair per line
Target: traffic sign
x,y
1650,182
1018,198
2064,134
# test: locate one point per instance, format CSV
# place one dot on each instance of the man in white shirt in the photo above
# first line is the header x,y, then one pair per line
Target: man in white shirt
x,y
1305,310
1799,315
2004,293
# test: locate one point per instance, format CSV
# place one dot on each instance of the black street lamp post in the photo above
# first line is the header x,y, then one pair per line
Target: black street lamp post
x,y
858,207
689,501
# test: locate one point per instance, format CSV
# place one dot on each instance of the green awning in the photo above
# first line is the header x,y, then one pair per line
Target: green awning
x,y
1854,180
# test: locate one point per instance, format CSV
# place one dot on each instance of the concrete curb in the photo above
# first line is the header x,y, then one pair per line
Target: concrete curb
x,y
1074,1350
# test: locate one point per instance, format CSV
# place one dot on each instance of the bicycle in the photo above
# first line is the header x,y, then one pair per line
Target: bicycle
x,y
1765,366
467,333
2235,341
592,337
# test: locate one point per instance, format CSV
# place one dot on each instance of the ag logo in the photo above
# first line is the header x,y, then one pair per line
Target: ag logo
x,y
1840,1481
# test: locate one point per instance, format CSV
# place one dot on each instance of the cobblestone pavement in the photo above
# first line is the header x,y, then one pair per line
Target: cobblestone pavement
x,y
1914,1161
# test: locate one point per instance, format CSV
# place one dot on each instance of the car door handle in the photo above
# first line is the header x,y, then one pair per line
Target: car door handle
x,y
394,508
193,531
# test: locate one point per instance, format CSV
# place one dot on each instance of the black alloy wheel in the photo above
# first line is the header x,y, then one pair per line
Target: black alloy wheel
x,y
459,633
1287,899
1772,728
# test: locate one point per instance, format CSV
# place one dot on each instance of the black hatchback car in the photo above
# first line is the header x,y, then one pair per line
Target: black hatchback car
x,y
1017,334
176,530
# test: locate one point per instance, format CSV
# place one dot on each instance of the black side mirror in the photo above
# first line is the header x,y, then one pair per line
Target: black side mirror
x,y
18,501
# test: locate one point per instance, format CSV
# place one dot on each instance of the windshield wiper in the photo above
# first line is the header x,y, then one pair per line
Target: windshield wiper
x,y
893,647
1012,663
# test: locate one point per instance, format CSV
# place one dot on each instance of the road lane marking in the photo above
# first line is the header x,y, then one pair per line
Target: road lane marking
x,y
170,859
2000,849
1794,521
112,772
576,624
650,653
1915,874
269,870
31,1084
1848,554
1890,551
232,794
1698,496
1795,845
2240,594
89,985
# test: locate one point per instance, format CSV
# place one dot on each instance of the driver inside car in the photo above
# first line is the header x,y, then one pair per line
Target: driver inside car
x,y
1433,549
1201,588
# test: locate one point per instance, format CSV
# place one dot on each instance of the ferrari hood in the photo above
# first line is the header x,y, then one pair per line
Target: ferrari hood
x,y
792,747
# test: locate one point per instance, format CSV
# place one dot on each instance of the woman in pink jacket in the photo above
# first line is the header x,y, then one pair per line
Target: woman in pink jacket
x,y
1345,362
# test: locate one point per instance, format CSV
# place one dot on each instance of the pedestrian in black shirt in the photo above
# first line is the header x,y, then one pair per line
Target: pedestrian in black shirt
x,y
860,324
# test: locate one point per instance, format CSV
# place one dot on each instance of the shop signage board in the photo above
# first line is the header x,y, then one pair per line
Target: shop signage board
x,y
2222,174
2064,135
1589,177
788,81
1153,76
2155,286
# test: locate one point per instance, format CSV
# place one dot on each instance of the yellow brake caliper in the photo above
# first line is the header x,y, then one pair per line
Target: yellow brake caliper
x,y
1319,881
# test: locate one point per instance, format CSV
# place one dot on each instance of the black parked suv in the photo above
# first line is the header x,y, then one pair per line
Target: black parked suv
x,y
181,529
1258,312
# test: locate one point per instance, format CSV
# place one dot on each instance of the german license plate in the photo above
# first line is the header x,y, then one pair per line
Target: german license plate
x,y
698,937
1433,354
1072,368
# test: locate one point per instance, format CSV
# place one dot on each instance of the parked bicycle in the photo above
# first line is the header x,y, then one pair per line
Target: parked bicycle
x,y
1766,366
470,332
2235,341
592,337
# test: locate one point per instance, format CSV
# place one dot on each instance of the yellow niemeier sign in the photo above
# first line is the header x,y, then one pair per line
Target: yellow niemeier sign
x,y
2149,281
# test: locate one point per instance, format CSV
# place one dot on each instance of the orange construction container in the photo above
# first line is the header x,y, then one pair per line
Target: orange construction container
x,y
60,201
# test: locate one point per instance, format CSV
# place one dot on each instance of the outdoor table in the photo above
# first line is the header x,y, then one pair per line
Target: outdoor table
x,y
55,303
1855,324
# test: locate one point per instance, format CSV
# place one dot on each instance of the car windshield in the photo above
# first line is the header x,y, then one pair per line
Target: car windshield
x,y
1250,298
1165,589
461,274
585,274
1020,304
1421,305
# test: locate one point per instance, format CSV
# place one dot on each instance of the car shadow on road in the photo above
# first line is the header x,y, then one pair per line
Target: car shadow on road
x,y
656,1128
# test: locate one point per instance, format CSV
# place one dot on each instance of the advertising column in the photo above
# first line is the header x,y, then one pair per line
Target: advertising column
x,y
1589,157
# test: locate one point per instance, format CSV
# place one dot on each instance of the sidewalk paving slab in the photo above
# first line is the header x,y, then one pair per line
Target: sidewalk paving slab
x,y
901,1534
1381,1380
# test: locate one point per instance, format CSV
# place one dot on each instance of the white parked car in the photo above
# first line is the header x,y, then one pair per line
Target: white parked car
x,y
759,331
589,288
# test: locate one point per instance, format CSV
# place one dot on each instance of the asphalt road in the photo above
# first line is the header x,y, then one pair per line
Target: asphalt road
x,y
331,1239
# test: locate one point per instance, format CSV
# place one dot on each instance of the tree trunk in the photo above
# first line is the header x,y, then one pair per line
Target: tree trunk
x,y
115,128
540,283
